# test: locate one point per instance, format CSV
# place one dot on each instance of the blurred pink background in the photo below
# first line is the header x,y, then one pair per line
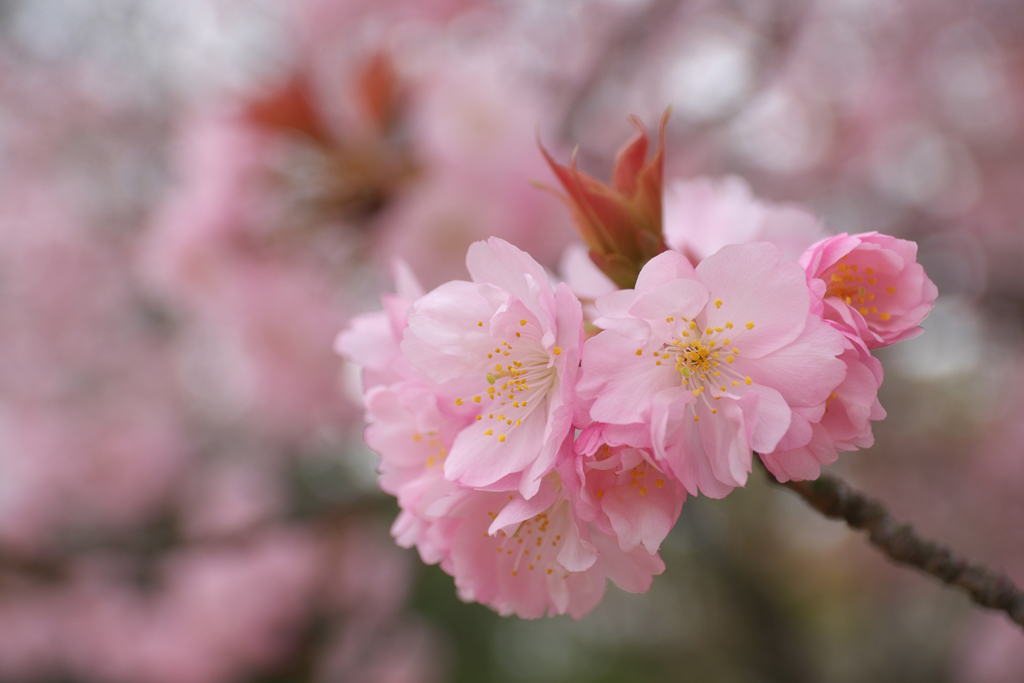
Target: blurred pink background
x,y
195,197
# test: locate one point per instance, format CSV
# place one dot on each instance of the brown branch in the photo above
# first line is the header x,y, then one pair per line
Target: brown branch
x,y
836,499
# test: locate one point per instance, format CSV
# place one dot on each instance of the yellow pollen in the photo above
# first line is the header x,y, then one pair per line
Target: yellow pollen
x,y
735,350
862,311
518,422
480,323
476,399
714,410
873,309
718,303
710,330
696,418
501,438
458,401
869,271
750,326
659,482
884,316
735,384
514,572
522,322
693,325
748,381
729,359
489,432
643,490
549,570
872,280
518,335
728,325
600,494
524,404
639,352
479,417
557,351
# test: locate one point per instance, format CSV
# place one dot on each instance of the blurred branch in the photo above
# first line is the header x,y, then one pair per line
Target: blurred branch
x,y
836,499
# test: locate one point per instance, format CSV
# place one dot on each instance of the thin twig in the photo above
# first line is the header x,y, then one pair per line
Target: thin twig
x,y
834,498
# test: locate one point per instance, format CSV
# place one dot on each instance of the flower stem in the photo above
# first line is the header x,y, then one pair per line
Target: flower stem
x,y
836,499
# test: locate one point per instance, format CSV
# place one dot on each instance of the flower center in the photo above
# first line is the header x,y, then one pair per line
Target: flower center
x,y
516,385
534,546
857,290
703,358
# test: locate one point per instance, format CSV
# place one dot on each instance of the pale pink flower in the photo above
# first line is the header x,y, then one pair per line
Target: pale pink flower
x,y
845,424
703,215
511,344
412,430
622,488
534,557
713,361
874,285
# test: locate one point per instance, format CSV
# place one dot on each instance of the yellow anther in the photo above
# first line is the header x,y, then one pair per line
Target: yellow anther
x,y
729,359
693,325
489,432
518,335
480,323
714,410
501,438
479,417
643,490
557,351
748,381
458,401
872,280
599,494
891,289
884,316
735,350
524,404
709,330
639,352
476,399
750,326
696,418
659,482
522,322
869,271
430,462
862,310
873,309
718,303
728,325
518,422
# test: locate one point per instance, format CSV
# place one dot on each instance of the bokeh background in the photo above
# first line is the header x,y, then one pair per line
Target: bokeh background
x,y
196,196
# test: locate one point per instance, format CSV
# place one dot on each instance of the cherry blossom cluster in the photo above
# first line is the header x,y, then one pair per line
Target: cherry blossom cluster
x,y
539,446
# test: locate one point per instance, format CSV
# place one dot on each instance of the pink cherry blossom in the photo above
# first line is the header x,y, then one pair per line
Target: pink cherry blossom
x,y
713,361
412,430
874,285
622,489
845,423
534,557
512,344
703,215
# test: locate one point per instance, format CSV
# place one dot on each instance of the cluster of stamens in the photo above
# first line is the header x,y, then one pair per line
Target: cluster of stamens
x,y
437,452
514,386
856,289
532,543
637,479
703,357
